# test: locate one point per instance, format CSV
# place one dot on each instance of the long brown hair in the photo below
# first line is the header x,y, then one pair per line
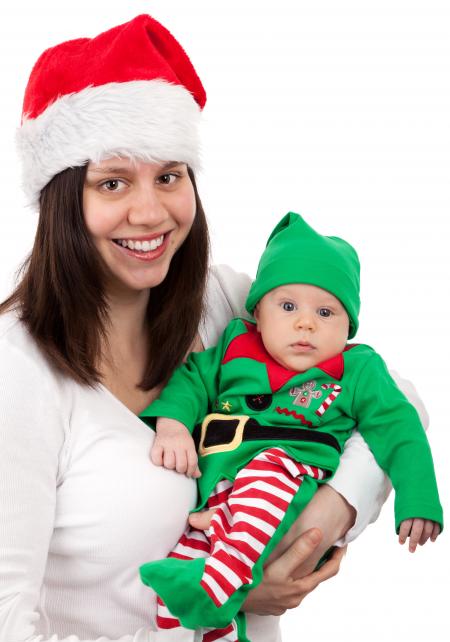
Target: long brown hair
x,y
61,296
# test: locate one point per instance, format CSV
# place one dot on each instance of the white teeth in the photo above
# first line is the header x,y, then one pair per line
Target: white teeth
x,y
141,246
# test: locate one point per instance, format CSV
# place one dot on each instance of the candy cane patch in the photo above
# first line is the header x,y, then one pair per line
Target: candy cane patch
x,y
336,390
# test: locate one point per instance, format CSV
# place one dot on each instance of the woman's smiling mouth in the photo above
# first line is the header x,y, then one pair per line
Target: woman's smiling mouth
x,y
144,248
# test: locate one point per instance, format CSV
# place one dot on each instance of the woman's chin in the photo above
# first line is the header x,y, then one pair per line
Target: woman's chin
x,y
133,285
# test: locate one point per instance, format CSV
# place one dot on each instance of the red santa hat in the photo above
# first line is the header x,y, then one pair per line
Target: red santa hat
x,y
131,91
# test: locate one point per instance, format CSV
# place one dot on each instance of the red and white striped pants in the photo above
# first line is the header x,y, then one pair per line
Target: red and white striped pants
x,y
249,510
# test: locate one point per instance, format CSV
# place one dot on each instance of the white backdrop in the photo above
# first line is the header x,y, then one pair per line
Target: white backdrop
x,y
340,111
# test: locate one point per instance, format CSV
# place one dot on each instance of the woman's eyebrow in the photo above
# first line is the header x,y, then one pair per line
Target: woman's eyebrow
x,y
118,169
109,170
171,164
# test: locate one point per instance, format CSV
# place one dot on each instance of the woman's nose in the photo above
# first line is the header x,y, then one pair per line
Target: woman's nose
x,y
146,207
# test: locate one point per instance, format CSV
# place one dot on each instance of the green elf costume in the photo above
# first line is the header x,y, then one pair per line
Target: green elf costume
x,y
267,436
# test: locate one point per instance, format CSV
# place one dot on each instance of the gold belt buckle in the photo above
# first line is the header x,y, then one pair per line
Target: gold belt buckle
x,y
221,448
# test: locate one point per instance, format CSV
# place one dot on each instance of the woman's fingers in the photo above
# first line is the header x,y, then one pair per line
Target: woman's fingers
x,y
296,554
329,569
279,590
303,586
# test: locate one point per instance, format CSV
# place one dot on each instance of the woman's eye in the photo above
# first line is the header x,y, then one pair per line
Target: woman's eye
x,y
288,306
325,312
167,179
112,185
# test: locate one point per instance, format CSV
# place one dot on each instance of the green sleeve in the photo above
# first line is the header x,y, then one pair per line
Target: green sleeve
x,y
392,429
193,387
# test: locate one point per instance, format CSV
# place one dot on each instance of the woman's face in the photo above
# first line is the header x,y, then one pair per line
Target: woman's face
x,y
138,215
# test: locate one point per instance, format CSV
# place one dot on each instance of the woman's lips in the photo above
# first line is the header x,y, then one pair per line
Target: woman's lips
x,y
149,256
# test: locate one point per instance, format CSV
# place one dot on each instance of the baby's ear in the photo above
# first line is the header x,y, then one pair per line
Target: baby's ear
x,y
256,316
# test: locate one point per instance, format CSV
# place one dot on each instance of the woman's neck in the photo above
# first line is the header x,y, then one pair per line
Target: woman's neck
x,y
126,329
125,352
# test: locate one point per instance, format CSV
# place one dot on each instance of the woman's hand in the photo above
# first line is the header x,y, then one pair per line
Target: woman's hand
x,y
289,574
281,589
330,513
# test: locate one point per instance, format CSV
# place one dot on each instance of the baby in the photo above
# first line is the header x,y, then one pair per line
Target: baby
x,y
269,410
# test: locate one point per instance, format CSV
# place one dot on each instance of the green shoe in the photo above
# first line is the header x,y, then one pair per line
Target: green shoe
x,y
177,582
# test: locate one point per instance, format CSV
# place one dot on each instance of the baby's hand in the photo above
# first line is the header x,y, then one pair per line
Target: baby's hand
x,y
174,448
419,531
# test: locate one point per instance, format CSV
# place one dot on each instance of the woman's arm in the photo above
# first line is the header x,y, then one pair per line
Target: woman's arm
x,y
288,576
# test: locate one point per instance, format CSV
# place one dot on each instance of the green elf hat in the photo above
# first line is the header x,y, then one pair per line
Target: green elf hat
x,y
295,253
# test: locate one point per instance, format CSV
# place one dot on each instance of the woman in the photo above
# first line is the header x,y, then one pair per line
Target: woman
x,y
109,302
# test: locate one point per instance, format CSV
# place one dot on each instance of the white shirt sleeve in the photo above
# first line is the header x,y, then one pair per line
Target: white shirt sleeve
x,y
358,478
32,435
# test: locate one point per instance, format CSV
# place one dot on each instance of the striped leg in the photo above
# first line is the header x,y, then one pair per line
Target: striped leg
x,y
241,528
227,634
220,494
194,544
166,621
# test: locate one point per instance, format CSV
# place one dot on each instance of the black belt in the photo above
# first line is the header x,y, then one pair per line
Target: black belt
x,y
219,433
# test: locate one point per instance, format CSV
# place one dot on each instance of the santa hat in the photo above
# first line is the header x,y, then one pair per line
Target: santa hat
x,y
296,253
131,91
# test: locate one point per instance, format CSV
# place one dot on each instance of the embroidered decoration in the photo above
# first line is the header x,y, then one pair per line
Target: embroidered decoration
x,y
226,405
305,393
258,402
331,397
292,413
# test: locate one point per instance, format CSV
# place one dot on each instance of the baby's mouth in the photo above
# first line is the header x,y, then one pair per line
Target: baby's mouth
x,y
303,346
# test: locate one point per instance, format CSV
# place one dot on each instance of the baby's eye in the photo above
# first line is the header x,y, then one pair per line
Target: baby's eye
x,y
288,306
325,312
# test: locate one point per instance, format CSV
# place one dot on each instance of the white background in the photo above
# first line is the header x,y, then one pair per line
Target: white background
x,y
339,111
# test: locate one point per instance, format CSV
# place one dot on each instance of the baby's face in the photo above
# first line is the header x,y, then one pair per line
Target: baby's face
x,y
301,325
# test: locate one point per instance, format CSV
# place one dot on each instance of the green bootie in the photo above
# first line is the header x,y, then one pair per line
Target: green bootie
x,y
177,582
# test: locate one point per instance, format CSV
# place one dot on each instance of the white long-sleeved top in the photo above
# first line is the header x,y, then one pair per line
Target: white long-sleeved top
x,y
82,506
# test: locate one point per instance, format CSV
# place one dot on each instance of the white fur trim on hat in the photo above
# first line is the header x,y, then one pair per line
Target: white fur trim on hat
x,y
150,120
